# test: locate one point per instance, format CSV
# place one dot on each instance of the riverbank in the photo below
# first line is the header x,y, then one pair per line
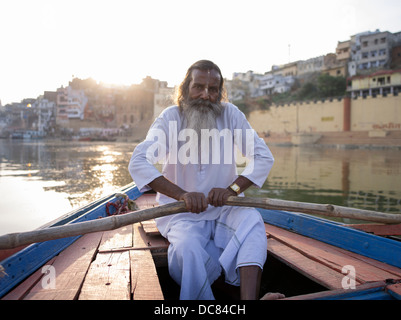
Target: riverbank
x,y
344,140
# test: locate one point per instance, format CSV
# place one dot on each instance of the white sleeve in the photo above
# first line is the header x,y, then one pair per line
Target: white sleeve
x,y
146,154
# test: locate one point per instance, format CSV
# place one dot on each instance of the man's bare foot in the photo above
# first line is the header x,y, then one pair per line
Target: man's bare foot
x,y
273,296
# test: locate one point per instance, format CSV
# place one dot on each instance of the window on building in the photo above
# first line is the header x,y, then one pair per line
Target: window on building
x,y
383,40
365,44
381,81
365,55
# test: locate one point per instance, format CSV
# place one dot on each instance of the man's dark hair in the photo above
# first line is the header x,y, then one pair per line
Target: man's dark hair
x,y
204,65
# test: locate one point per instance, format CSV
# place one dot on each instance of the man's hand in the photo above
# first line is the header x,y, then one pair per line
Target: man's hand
x,y
194,201
218,196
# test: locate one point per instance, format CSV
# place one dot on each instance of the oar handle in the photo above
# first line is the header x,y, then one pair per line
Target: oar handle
x,y
14,240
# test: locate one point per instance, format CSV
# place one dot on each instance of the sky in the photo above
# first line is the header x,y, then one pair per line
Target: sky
x,y
45,43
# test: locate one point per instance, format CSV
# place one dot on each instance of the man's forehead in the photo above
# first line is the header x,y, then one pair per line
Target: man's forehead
x,y
211,75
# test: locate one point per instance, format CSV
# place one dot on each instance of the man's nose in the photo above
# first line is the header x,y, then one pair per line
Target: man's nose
x,y
205,94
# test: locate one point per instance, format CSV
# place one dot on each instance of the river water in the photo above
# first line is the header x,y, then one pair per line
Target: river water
x,y
41,180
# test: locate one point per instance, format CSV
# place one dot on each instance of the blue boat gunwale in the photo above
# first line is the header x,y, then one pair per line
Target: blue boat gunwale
x,y
23,263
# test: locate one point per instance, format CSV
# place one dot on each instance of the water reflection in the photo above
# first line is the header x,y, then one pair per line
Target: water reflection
x,y
41,180
366,179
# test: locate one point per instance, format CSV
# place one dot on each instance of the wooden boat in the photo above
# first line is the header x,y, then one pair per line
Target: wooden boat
x,y
309,258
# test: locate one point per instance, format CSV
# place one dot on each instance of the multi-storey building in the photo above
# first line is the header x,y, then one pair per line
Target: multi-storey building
x,y
381,82
343,50
135,104
244,85
396,57
370,51
285,70
45,108
310,66
375,50
71,104
271,83
333,66
164,97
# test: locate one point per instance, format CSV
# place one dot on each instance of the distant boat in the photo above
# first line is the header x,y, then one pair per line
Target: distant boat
x,y
26,134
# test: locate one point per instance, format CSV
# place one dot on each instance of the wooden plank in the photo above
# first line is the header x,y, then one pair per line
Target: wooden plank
x,y
141,239
144,279
119,238
378,229
150,228
145,283
396,272
70,268
319,273
328,255
108,277
146,201
157,243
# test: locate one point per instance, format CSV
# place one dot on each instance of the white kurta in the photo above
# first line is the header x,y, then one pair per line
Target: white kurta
x,y
201,170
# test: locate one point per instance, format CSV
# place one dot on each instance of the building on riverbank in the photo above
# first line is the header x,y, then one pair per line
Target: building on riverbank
x,y
371,121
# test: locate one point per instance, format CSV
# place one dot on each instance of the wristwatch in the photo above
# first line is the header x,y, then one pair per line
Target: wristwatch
x,y
234,187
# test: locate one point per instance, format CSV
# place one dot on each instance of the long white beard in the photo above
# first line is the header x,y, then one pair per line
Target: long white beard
x,y
201,118
201,114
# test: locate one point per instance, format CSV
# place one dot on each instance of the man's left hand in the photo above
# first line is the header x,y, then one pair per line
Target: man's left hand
x,y
218,196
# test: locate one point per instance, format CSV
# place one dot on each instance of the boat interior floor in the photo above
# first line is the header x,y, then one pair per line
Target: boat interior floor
x,y
131,263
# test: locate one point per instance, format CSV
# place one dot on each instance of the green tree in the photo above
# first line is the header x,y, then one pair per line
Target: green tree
x,y
329,86
308,91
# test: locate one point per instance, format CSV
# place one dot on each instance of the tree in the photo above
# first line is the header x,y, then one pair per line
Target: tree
x,y
308,91
329,86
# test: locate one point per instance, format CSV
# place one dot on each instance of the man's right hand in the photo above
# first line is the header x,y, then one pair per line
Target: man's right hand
x,y
194,201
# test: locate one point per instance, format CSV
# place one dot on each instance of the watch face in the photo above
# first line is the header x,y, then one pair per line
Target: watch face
x,y
235,187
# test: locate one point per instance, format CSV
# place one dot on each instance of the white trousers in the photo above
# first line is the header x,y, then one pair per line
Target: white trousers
x,y
200,250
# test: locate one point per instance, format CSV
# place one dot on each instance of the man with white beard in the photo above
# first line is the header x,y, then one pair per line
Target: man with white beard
x,y
211,238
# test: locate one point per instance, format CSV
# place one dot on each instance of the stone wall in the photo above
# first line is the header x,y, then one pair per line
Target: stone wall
x,y
380,113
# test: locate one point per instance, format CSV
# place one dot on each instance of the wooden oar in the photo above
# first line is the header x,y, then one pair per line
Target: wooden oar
x,y
328,210
13,240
